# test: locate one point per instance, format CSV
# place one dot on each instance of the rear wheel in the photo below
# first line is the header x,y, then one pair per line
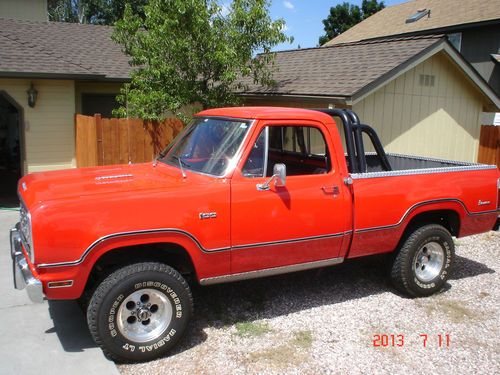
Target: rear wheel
x,y
139,312
423,263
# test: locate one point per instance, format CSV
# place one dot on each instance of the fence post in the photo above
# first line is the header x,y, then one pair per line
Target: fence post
x,y
98,130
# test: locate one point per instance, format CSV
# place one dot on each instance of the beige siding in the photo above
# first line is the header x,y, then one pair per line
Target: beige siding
x,y
49,126
34,10
441,121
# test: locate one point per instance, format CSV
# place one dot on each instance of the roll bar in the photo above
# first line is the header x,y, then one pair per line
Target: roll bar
x,y
353,131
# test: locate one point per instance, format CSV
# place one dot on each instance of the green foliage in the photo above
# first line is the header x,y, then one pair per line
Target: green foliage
x,y
100,12
192,51
344,16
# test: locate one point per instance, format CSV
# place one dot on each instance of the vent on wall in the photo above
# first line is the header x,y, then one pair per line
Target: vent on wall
x,y
427,80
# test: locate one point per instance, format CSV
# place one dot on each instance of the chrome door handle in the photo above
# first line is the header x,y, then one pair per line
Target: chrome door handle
x,y
331,190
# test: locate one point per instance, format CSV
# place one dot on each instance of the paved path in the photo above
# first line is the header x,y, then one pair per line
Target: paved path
x,y
48,338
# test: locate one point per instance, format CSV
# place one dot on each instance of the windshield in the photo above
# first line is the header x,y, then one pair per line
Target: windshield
x,y
208,145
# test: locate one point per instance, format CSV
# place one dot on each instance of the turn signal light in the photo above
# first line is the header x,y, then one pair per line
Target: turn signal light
x,y
60,284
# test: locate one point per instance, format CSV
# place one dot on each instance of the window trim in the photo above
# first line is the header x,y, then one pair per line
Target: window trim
x,y
266,150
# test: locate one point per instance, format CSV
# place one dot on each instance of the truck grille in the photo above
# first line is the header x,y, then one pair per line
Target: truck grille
x,y
25,230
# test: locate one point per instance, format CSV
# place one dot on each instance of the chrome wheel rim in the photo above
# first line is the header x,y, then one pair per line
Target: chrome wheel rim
x,y
428,262
144,315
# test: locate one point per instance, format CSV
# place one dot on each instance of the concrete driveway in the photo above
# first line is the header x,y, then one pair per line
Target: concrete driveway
x,y
48,338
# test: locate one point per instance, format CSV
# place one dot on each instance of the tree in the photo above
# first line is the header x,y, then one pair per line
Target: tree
x,y
100,12
344,16
194,51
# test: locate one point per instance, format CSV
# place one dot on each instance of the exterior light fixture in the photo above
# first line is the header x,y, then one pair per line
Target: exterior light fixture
x,y
32,95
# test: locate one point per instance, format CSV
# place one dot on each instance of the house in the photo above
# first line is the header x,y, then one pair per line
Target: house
x,y
416,91
397,70
48,72
472,27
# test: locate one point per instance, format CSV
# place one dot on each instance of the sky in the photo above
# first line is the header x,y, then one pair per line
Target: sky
x,y
304,19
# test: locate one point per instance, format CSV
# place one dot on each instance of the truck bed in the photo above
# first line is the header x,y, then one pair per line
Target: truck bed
x,y
409,164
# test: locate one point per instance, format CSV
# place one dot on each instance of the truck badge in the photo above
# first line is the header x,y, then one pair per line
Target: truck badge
x,y
208,215
482,203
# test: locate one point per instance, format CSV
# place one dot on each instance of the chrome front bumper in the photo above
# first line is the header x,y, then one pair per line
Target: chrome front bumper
x,y
23,277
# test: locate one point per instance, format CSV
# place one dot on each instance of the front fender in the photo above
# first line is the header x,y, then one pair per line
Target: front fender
x,y
207,263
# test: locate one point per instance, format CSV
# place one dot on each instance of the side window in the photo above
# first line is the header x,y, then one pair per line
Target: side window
x,y
301,148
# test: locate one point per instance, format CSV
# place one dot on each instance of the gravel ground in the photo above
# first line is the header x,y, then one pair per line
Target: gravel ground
x,y
325,321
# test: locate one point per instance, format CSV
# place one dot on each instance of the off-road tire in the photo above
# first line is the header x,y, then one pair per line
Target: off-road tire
x,y
108,305
406,271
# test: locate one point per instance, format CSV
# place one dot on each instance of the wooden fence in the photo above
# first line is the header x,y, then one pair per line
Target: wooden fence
x,y
489,145
105,141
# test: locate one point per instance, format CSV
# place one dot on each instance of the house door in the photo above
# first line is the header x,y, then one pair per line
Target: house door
x,y
10,150
302,222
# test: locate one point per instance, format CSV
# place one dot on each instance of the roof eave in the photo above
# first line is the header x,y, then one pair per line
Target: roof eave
x,y
432,31
69,76
334,98
43,75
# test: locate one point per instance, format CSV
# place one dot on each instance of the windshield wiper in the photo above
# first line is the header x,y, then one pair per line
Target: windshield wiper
x,y
181,162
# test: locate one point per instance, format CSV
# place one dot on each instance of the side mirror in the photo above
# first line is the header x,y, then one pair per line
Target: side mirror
x,y
279,171
279,174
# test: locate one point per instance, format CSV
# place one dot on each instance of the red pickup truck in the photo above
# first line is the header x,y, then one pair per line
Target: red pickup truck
x,y
241,193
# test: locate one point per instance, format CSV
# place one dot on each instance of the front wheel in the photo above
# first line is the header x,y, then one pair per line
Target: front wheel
x,y
139,312
424,261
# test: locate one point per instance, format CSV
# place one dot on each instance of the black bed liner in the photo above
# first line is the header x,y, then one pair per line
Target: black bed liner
x,y
408,162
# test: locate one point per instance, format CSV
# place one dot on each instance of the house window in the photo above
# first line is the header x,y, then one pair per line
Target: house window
x,y
99,103
455,40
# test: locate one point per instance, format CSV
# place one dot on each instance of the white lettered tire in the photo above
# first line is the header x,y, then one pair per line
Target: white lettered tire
x,y
139,312
424,261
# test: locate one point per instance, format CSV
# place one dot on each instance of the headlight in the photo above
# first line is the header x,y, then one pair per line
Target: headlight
x,y
26,234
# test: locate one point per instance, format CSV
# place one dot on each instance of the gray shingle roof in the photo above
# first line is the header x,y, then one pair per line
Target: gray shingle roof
x,y
340,70
444,14
60,49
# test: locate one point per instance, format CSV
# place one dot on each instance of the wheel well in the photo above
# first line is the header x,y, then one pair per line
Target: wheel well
x,y
168,253
446,218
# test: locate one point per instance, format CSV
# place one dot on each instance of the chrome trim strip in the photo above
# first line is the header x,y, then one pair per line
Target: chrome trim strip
x,y
261,244
174,230
270,271
266,151
459,167
282,242
409,172
416,205
131,233
110,177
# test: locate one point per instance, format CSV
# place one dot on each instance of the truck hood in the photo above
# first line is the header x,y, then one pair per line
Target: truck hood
x,y
74,183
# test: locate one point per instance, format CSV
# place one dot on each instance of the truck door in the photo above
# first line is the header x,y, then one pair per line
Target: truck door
x,y
304,221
